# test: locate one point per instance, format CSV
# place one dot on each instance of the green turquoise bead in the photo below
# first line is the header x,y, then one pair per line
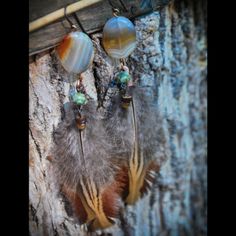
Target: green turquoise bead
x,y
123,77
79,98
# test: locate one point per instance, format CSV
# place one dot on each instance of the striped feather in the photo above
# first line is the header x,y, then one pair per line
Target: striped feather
x,y
138,138
84,171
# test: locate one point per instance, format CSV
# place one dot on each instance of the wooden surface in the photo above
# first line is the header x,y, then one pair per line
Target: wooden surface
x,y
60,13
39,8
170,59
92,19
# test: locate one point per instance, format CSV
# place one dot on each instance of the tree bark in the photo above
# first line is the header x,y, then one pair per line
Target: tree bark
x,y
171,58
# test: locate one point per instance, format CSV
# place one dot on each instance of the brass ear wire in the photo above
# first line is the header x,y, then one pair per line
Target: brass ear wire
x,y
72,26
115,9
80,24
115,12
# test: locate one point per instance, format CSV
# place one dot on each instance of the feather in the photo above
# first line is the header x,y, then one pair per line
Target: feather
x,y
137,136
83,169
113,158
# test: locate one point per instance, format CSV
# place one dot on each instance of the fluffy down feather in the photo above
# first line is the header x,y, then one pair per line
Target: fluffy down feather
x,y
83,168
137,136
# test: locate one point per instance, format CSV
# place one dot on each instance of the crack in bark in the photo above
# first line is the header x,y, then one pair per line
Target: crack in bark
x,y
125,226
97,80
162,34
36,144
33,213
63,225
35,186
161,211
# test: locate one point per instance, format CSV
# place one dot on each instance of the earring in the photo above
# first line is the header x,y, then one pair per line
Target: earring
x,y
119,41
133,135
84,172
82,166
76,53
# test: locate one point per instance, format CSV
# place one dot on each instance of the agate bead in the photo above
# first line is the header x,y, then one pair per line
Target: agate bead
x,y
119,37
76,52
79,98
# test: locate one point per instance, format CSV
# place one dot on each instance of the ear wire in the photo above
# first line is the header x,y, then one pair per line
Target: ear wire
x,y
80,24
72,26
115,9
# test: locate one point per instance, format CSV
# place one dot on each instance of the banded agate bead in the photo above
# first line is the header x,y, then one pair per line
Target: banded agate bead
x,y
76,52
119,37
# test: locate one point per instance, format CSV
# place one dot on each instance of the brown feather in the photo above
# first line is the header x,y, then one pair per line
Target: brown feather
x,y
113,193
149,177
76,204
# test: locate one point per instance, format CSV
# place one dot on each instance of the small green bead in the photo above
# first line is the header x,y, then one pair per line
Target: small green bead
x,y
123,77
79,98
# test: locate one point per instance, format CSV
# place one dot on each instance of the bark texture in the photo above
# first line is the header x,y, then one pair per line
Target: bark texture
x,y
170,59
